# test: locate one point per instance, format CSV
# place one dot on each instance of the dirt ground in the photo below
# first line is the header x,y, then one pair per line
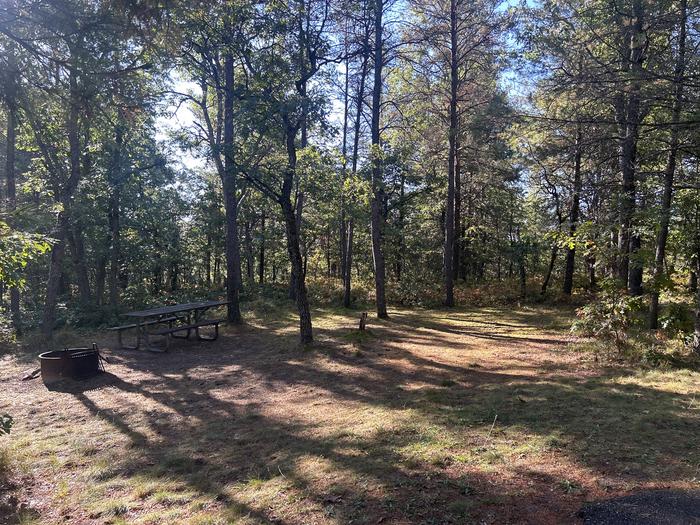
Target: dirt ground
x,y
462,416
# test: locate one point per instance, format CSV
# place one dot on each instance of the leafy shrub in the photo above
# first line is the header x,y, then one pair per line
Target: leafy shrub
x,y
609,316
677,318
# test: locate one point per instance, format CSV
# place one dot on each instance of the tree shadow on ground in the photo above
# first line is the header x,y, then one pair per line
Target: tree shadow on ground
x,y
442,455
385,430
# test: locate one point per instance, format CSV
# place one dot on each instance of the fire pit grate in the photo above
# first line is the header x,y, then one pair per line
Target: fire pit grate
x,y
70,363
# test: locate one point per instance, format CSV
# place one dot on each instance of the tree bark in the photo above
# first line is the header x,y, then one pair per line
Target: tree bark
x,y
65,197
696,335
377,218
550,269
77,250
592,282
229,182
115,252
347,279
291,217
347,288
261,259
627,108
248,251
459,233
342,233
298,211
669,172
10,177
573,216
449,248
400,220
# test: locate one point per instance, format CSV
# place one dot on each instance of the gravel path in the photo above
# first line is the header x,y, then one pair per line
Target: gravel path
x,y
655,507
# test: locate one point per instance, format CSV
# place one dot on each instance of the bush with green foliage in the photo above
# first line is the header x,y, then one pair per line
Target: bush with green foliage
x,y
609,316
678,318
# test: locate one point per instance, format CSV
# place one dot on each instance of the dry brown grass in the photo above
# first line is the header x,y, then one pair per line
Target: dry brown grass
x,y
488,415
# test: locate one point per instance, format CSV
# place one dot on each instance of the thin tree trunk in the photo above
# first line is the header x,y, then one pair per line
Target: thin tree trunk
x,y
347,295
100,278
291,219
347,280
233,254
305,327
249,251
550,269
292,275
342,237
53,284
261,259
401,245
573,216
115,179
696,335
459,234
10,177
628,117
77,249
449,248
115,252
377,221
65,197
592,282
207,261
669,172
521,267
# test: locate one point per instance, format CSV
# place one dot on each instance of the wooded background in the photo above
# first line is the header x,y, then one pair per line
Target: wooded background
x,y
382,150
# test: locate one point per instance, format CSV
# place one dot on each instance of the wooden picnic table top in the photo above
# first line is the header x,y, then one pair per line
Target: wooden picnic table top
x,y
175,308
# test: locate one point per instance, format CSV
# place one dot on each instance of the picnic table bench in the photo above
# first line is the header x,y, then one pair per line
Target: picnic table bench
x,y
177,320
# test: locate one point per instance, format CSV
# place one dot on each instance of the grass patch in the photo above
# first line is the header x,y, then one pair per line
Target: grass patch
x,y
446,406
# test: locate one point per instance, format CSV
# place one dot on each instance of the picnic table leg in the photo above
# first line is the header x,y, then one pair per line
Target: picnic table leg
x,y
145,335
196,320
198,316
187,332
138,333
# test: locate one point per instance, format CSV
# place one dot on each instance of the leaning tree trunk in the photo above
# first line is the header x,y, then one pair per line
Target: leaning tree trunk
x,y
233,253
669,172
376,216
293,240
305,327
550,269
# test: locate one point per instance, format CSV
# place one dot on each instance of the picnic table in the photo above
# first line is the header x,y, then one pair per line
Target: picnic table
x,y
169,321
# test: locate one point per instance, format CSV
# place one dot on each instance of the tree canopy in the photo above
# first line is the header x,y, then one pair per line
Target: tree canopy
x,y
348,151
